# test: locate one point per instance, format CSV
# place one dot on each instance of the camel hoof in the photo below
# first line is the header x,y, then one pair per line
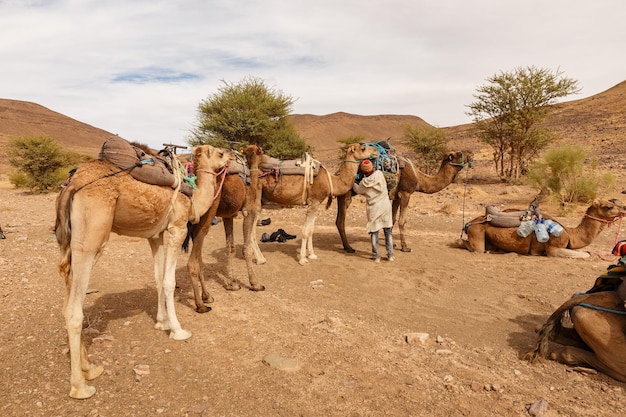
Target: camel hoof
x,y
312,256
233,287
93,372
203,309
349,250
258,288
405,249
208,299
303,261
161,326
86,391
261,261
180,334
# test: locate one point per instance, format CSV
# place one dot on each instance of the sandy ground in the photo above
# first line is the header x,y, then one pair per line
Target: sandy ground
x,y
341,322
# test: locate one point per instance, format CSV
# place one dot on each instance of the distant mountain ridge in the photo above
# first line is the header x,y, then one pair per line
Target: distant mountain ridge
x,y
598,122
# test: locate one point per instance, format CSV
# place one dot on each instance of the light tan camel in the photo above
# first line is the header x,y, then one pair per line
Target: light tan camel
x,y
597,338
100,199
411,180
482,236
234,197
289,190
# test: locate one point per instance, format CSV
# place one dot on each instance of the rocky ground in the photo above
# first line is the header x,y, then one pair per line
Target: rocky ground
x,y
437,333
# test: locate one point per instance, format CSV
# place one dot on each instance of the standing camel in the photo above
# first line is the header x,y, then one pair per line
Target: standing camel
x,y
482,236
100,199
411,180
234,197
289,190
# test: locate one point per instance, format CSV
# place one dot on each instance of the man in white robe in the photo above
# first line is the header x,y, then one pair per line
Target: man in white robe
x,y
379,216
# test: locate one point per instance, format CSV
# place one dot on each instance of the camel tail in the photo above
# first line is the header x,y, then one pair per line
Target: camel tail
x,y
329,201
189,237
551,328
63,231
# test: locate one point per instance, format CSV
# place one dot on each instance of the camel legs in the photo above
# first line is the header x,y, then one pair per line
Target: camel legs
x,y
231,284
88,240
307,234
343,202
249,241
400,204
603,333
165,249
254,245
195,264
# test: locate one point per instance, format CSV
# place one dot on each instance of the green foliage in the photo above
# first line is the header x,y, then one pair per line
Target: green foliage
x,y
508,110
563,176
348,141
248,113
430,144
40,163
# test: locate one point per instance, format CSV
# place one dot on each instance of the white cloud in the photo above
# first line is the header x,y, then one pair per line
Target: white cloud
x,y
141,68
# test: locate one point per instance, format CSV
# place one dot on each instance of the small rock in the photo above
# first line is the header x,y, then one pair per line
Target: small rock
x,y
142,369
538,409
284,364
411,338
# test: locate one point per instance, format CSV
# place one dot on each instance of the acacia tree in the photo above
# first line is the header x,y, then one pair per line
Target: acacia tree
x,y
507,113
248,113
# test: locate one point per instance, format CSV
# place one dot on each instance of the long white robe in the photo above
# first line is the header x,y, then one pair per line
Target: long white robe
x,y
374,188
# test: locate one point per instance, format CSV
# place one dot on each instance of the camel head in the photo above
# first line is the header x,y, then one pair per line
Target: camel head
x,y
459,159
251,151
607,210
209,158
357,151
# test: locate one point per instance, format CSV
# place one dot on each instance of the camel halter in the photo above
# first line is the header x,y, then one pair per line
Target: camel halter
x,y
221,172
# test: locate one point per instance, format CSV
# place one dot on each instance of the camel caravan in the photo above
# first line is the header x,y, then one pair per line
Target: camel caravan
x,y
180,201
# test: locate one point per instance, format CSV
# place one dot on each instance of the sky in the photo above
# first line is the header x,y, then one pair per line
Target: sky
x,y
140,68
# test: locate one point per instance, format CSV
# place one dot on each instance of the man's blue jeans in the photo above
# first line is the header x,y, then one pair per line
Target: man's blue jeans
x,y
388,243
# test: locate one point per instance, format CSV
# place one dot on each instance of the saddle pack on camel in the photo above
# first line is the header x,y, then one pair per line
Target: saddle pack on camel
x,y
615,274
306,166
388,163
148,168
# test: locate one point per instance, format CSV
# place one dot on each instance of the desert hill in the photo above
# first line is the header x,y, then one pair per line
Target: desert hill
x,y
598,122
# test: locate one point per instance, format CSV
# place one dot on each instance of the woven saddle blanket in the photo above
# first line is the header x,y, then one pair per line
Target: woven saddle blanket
x,y
290,166
142,166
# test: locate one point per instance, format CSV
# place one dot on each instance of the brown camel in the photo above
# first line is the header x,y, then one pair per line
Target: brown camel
x,y
411,180
482,236
290,190
100,199
234,197
598,335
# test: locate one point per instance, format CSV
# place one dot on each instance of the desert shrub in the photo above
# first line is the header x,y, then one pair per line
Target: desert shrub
x,y
19,179
40,162
430,145
564,176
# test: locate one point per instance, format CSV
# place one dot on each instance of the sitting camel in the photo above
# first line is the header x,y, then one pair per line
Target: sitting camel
x,y
290,190
598,335
101,198
411,180
234,197
483,236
